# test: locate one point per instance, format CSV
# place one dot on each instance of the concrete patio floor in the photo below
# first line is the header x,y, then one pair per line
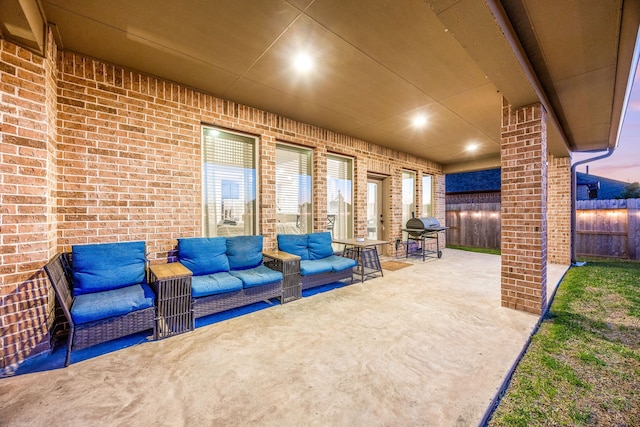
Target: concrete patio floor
x,y
426,345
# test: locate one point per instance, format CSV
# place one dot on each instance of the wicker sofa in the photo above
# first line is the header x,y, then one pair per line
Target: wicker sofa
x,y
318,264
103,293
228,272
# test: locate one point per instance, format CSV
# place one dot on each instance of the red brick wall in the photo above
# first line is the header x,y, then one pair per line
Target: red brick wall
x,y
27,225
129,156
127,167
559,210
524,204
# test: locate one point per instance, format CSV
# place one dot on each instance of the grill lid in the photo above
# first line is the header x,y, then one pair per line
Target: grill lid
x,y
427,222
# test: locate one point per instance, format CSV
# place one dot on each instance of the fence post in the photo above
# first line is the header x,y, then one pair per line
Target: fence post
x,y
633,233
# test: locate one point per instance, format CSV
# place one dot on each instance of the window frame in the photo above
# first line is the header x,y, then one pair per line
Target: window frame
x,y
351,160
413,193
310,151
431,193
256,167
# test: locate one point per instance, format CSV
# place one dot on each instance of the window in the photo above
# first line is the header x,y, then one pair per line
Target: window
x,y
229,183
340,196
408,195
294,206
427,195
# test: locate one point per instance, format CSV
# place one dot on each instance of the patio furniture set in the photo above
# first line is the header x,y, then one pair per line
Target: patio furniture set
x,y
109,290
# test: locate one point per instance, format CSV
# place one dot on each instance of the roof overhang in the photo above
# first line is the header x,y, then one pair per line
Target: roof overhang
x,y
378,63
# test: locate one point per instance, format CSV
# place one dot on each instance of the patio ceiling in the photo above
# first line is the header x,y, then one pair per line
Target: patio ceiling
x,y
378,63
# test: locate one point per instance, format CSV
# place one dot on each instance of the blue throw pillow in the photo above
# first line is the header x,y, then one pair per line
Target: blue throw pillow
x,y
203,255
320,245
244,252
295,244
107,266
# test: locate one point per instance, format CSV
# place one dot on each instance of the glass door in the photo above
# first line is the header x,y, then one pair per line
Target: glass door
x,y
375,218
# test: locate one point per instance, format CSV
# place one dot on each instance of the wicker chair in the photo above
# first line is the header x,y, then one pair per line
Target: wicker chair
x,y
88,334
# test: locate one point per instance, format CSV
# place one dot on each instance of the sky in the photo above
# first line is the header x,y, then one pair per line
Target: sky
x,y
624,163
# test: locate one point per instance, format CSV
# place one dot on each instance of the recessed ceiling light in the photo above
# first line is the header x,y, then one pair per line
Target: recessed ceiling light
x,y
472,147
303,62
419,121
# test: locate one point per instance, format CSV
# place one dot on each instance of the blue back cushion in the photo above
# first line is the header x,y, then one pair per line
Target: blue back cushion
x,y
244,252
320,245
107,266
295,244
203,255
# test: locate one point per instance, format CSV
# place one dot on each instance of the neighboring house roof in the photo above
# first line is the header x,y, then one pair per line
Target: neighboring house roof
x,y
489,180
608,188
473,182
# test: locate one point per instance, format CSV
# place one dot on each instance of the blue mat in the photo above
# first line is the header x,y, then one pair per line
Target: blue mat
x,y
323,288
55,359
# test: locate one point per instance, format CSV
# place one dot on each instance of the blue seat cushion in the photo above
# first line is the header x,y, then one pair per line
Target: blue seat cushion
x,y
295,244
258,276
213,284
107,266
244,252
203,255
112,303
316,266
340,263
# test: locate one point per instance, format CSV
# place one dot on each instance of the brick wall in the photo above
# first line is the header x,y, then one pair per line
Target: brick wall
x,y
129,157
559,211
126,165
523,210
27,225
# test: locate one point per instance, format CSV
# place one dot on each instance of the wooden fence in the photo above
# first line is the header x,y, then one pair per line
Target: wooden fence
x,y
473,224
608,228
605,228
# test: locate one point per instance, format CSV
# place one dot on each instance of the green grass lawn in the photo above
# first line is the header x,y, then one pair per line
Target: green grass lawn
x,y
473,249
583,365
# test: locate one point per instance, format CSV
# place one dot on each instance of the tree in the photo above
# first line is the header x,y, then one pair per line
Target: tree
x,y
631,191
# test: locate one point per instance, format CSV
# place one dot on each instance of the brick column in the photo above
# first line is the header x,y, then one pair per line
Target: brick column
x,y
360,197
524,207
440,205
267,197
27,182
319,195
559,210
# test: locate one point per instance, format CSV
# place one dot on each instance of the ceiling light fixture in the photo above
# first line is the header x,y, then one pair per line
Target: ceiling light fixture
x,y
303,62
419,121
472,147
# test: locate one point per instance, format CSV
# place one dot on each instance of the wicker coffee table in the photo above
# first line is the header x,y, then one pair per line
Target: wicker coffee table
x,y
364,251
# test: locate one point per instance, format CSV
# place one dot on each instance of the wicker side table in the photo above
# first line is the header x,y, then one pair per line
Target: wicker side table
x,y
172,285
289,266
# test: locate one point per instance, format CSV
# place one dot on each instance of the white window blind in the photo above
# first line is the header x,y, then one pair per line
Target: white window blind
x,y
293,190
229,183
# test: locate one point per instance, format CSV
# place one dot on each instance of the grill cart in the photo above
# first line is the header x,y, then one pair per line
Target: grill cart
x,y
420,233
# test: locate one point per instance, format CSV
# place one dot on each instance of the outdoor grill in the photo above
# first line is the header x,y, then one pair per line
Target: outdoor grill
x,y
419,230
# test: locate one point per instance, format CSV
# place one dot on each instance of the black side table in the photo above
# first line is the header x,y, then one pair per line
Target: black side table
x,y
172,285
289,265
